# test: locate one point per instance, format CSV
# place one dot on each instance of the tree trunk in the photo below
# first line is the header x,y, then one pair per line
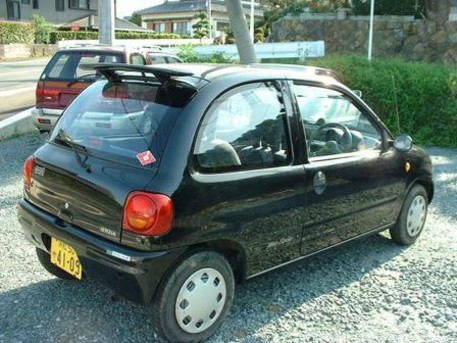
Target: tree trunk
x,y
437,10
243,41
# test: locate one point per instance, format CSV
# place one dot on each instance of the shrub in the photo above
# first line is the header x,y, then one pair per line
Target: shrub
x,y
187,54
387,7
420,92
11,33
82,35
42,29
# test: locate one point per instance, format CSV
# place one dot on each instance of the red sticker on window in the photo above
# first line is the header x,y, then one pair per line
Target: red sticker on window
x,y
146,157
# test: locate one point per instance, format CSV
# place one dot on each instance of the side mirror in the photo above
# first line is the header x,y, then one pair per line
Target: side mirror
x,y
358,93
403,143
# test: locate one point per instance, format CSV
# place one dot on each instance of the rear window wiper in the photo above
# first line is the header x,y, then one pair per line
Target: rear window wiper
x,y
84,78
75,147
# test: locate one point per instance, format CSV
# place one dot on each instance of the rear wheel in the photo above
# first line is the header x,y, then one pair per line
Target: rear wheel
x,y
412,217
45,261
194,298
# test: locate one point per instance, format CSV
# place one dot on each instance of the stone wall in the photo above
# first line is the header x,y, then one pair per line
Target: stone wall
x,y
14,51
394,36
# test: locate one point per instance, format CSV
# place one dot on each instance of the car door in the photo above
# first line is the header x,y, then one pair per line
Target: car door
x,y
353,185
245,187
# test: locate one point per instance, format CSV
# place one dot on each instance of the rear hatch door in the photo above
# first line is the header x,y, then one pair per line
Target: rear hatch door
x,y
64,79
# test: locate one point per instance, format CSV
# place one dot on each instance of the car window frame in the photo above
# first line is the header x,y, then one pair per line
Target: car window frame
x,y
55,58
383,131
241,173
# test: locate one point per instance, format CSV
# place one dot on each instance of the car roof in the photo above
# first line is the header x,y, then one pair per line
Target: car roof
x,y
231,73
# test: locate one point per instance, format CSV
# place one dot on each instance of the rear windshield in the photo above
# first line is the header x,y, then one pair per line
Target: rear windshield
x,y
67,65
130,122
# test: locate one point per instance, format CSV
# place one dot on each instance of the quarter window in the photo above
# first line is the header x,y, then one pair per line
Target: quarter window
x,y
137,59
333,123
244,129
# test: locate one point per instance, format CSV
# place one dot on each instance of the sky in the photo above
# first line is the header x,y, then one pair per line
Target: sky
x,y
127,7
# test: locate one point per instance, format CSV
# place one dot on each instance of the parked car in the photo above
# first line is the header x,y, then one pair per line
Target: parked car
x,y
64,77
173,183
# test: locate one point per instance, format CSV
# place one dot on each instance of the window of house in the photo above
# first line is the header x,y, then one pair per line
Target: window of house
x,y
159,27
79,4
60,5
35,4
333,123
182,28
13,10
25,2
244,129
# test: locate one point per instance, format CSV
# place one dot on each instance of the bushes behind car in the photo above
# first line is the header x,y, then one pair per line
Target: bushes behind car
x,y
424,95
16,33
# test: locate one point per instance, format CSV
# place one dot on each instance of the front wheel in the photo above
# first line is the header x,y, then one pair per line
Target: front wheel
x,y
412,217
194,298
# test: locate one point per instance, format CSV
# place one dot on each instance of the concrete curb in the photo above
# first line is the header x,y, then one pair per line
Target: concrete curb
x,y
18,124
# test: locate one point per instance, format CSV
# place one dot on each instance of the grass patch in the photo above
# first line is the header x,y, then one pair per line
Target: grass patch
x,y
424,94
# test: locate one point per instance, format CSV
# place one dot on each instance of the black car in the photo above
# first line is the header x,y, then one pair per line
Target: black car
x,y
173,183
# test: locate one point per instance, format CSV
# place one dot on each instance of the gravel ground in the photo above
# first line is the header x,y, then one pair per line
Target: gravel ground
x,y
366,291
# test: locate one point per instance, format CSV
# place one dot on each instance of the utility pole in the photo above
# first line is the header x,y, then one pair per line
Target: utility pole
x,y
106,22
370,34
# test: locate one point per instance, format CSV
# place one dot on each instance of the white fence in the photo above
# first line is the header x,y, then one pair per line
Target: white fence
x,y
299,50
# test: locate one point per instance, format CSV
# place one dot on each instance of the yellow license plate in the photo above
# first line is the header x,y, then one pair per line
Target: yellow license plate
x,y
65,257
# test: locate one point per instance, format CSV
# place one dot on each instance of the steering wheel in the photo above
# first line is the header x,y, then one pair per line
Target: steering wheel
x,y
344,144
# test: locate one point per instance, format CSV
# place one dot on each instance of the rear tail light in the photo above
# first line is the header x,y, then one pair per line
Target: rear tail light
x,y
148,214
28,169
44,95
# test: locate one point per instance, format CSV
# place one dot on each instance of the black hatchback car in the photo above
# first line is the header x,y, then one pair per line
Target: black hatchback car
x,y
173,183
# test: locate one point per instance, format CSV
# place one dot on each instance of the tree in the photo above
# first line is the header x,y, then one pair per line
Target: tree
x,y
136,19
201,27
437,10
244,44
42,29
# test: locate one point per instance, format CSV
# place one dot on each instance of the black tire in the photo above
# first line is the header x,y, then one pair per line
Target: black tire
x,y
204,276
412,217
45,261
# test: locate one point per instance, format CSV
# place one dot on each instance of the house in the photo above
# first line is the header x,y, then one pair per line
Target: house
x,y
54,11
178,16
76,14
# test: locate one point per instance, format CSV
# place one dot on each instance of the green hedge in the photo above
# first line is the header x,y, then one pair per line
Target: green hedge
x,y
11,33
423,94
83,35
388,7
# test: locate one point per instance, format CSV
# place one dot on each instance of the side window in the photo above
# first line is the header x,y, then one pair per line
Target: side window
x,y
155,59
332,123
137,59
244,129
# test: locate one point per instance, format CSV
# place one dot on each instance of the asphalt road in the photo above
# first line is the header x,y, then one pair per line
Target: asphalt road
x,y
370,290
17,85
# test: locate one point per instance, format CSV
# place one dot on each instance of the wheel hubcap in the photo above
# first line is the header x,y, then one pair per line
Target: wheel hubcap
x,y
200,300
416,215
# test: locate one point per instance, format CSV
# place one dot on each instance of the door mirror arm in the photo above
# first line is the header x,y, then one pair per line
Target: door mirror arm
x,y
386,141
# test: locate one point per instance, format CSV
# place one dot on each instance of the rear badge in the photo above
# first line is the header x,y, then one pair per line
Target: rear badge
x,y
146,158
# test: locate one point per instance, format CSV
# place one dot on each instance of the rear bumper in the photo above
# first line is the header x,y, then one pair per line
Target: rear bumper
x,y
45,118
131,273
